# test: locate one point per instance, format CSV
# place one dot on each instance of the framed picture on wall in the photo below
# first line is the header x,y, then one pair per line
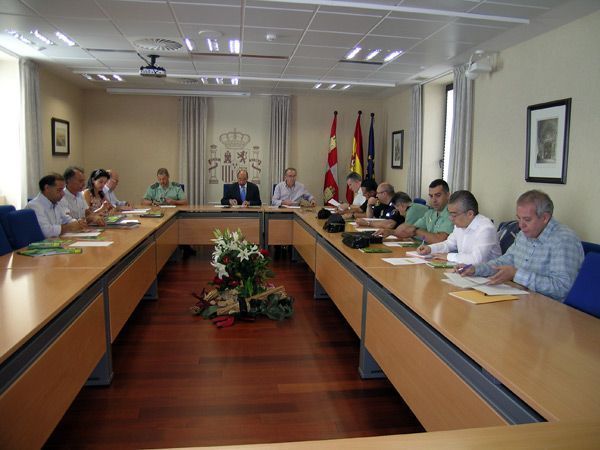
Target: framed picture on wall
x,y
548,142
397,149
61,140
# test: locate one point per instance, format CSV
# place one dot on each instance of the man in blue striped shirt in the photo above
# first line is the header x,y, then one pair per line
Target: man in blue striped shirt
x,y
545,256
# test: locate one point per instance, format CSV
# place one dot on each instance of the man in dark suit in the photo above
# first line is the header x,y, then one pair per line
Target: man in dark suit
x,y
241,193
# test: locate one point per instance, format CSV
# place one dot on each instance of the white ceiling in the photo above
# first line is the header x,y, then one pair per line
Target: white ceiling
x,y
312,37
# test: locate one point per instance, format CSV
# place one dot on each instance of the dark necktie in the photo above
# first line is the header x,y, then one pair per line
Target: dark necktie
x,y
243,193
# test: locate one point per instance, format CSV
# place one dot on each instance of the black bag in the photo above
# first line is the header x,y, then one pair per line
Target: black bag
x,y
353,240
323,214
335,224
367,235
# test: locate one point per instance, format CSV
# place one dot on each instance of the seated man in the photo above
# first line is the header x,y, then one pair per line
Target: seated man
x,y
109,190
73,203
354,183
435,225
241,193
368,188
381,207
546,255
163,192
51,217
411,212
474,239
289,192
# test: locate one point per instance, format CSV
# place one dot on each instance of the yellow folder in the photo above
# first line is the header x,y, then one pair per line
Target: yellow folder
x,y
479,297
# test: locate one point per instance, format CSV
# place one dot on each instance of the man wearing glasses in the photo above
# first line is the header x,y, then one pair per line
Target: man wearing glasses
x,y
291,193
435,225
381,207
474,239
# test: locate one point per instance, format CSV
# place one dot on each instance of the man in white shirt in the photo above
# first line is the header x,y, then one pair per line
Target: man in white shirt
x,y
474,239
51,217
353,181
289,192
73,203
110,187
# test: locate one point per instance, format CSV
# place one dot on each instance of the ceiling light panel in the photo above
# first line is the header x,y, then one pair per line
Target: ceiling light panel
x,y
234,46
372,54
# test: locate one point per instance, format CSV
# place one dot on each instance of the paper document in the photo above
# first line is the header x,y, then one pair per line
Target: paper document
x,y
500,289
391,237
136,211
417,255
479,297
334,202
291,206
366,229
87,234
168,206
91,244
401,244
464,282
403,261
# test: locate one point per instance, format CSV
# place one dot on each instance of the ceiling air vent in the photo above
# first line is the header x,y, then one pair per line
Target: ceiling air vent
x,y
157,44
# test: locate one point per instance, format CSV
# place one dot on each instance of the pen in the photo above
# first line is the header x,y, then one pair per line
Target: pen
x,y
463,268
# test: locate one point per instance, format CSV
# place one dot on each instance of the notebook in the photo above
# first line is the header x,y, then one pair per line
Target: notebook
x,y
477,297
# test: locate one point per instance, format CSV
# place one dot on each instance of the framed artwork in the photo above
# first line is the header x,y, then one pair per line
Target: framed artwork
x,y
397,149
548,142
61,140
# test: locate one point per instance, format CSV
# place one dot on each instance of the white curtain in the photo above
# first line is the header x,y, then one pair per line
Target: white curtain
x,y
459,167
416,144
192,147
279,139
31,124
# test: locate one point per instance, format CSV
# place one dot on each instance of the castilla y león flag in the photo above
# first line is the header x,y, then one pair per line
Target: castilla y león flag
x,y
330,186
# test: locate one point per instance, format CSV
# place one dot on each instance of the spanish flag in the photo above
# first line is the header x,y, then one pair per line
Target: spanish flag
x,y
356,162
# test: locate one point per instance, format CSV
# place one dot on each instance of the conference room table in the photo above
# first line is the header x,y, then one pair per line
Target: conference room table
x,y
457,365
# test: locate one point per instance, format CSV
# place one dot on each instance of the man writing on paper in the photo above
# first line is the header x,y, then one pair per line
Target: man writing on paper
x,y
474,239
435,225
241,193
50,215
545,256
411,212
163,192
381,207
290,192
354,182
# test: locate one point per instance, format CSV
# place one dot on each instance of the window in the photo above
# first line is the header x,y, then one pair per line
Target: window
x,y
448,129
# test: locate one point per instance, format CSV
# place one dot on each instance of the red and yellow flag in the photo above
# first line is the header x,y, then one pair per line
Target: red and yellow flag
x,y
330,186
356,162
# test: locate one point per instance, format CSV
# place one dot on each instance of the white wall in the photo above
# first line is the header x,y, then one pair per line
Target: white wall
x,y
559,64
397,116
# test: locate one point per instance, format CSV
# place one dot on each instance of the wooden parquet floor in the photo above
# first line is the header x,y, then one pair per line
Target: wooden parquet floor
x,y
179,381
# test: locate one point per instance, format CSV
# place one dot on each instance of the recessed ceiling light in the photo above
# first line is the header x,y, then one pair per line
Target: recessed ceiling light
x,y
87,76
117,77
331,86
372,54
352,53
42,38
317,86
235,81
213,44
347,86
234,46
392,55
189,44
103,77
65,39
203,79
219,80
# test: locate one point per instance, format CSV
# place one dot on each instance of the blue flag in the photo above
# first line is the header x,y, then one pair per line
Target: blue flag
x,y
371,153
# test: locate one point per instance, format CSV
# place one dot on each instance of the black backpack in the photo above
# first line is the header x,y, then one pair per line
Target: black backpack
x,y
335,224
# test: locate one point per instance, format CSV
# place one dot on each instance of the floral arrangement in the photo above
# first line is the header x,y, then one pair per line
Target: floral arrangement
x,y
241,288
239,264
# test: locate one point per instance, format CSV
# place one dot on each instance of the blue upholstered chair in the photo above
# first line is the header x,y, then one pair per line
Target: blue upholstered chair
x,y
590,247
419,200
507,232
5,246
584,294
23,228
4,210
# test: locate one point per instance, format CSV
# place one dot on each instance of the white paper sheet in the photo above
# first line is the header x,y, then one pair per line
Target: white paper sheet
x,y
291,206
499,289
334,202
403,261
91,244
136,211
417,255
86,234
366,229
464,282
399,244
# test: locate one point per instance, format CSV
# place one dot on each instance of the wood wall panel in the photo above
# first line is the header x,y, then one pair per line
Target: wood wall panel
x,y
198,231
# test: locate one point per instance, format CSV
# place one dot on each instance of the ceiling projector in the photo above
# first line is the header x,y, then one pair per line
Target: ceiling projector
x,y
152,70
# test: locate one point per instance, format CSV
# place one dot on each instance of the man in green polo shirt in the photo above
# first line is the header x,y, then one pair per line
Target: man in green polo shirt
x,y
163,192
435,225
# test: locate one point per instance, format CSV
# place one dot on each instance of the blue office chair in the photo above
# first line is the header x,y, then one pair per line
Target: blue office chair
x,y
584,293
419,200
182,186
590,247
5,246
507,232
4,210
23,228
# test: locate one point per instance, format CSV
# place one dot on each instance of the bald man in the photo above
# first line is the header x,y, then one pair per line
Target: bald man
x,y
109,190
242,193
